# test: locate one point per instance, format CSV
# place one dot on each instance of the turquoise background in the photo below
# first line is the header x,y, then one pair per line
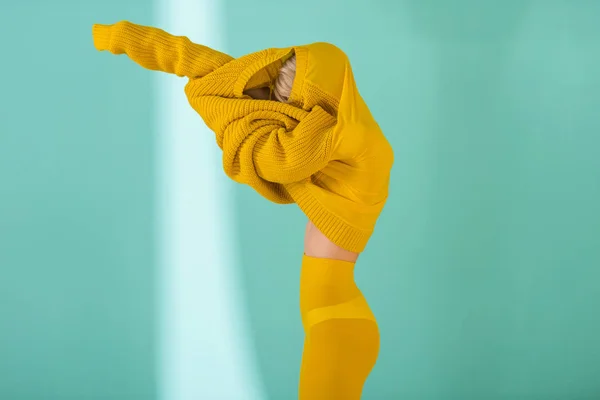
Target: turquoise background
x,y
483,272
77,312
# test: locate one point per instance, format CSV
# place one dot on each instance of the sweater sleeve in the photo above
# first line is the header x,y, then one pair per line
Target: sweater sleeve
x,y
157,50
280,155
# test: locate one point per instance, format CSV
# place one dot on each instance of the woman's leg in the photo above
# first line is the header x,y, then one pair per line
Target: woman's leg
x,y
342,339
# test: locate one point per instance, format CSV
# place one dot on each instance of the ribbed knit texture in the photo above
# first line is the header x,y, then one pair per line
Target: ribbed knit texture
x,y
322,151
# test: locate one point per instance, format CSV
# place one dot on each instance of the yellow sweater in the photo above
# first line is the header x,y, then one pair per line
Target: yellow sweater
x,y
323,151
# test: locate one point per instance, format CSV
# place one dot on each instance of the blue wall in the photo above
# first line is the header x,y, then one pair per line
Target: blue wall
x,y
76,208
483,272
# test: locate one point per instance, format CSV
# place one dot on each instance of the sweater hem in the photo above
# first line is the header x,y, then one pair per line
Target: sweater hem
x,y
338,231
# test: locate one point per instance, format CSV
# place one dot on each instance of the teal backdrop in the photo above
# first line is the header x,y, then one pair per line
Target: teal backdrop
x,y
76,208
484,270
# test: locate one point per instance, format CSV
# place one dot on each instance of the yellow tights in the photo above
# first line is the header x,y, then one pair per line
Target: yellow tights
x,y
341,336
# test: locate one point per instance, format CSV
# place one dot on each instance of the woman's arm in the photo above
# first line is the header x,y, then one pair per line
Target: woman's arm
x,y
157,50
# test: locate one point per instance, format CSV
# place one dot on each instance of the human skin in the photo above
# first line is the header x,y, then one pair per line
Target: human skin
x,y
317,245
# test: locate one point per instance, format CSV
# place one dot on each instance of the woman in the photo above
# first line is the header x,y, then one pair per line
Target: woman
x,y
292,125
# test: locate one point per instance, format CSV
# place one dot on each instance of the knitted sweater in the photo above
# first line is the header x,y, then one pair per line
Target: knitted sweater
x,y
323,150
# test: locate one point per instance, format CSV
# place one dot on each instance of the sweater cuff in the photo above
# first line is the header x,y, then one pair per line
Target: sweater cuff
x,y
101,35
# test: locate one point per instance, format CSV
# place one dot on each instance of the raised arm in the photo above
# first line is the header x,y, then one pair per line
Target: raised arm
x,y
287,156
157,50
